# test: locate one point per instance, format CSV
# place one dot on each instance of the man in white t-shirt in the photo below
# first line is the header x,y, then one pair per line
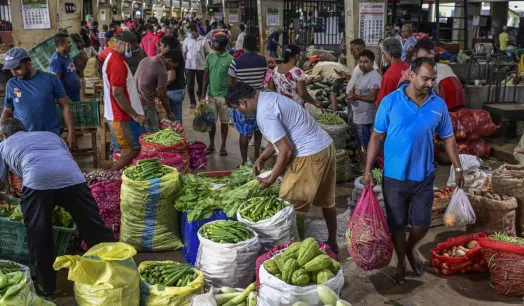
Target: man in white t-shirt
x,y
355,47
303,148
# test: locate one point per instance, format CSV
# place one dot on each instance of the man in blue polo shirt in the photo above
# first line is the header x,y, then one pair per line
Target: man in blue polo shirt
x,y
32,94
273,44
64,67
405,123
249,68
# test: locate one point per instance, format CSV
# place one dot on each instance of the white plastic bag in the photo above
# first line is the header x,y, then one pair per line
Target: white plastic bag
x,y
206,299
228,264
274,291
477,174
459,211
279,229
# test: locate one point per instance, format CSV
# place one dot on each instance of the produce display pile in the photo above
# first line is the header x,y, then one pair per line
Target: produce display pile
x,y
258,209
8,267
199,198
330,119
147,169
172,274
226,232
505,238
9,280
61,218
166,137
460,250
100,176
320,91
303,264
444,193
231,297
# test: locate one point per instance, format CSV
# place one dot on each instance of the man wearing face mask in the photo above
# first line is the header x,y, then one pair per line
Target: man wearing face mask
x,y
137,55
151,82
63,66
195,49
30,96
216,75
150,42
122,108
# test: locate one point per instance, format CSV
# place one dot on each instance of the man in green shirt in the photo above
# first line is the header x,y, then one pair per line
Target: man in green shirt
x,y
216,76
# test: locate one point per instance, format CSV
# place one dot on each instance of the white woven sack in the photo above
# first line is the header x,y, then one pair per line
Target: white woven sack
x,y
277,230
228,264
274,291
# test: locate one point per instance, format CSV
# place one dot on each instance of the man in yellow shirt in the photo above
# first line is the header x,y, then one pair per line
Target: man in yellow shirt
x,y
504,39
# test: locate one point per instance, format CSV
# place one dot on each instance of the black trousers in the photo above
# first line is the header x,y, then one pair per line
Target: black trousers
x,y
37,208
190,79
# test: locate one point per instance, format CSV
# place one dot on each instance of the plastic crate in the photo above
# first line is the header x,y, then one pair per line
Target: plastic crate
x,y
13,241
86,113
41,53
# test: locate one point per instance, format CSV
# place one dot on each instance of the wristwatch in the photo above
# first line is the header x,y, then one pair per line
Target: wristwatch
x,y
458,169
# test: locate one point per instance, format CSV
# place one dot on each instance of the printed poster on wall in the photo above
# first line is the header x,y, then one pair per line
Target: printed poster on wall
x,y
35,14
272,16
371,22
233,15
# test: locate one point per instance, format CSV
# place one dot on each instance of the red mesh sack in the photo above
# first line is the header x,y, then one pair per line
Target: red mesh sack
x,y
487,129
15,182
281,248
472,136
166,158
479,147
459,131
107,197
481,116
154,147
471,262
506,266
465,112
197,155
468,123
371,246
462,148
176,126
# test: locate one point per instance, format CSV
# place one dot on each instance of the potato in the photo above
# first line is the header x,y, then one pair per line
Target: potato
x,y
453,251
460,253
445,255
463,249
472,244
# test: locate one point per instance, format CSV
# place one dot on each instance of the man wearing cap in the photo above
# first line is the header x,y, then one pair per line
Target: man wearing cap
x,y
151,82
30,96
333,72
216,75
63,66
122,108
137,54
240,39
195,49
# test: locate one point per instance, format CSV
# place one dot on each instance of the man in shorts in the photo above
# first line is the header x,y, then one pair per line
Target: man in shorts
x,y
306,153
122,109
404,125
362,98
216,76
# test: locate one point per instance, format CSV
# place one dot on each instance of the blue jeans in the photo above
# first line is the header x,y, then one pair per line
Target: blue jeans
x,y
175,101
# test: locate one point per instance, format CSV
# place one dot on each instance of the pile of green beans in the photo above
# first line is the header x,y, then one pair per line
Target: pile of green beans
x,y
258,209
330,119
226,232
166,137
147,169
170,275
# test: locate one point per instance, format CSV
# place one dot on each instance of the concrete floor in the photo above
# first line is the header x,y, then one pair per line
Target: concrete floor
x,y
360,287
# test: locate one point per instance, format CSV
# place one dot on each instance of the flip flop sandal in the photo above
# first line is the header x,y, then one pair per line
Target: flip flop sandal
x,y
398,278
223,153
419,267
209,151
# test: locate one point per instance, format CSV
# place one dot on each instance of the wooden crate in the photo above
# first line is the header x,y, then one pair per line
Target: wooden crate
x,y
438,210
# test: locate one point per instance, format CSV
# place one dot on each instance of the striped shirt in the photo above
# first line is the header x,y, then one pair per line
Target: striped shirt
x,y
249,68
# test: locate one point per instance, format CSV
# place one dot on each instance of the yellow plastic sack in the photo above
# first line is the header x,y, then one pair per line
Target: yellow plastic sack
x,y
147,213
90,70
155,295
105,275
21,295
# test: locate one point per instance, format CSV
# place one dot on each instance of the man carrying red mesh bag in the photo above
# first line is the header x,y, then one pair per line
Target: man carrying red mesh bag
x,y
405,123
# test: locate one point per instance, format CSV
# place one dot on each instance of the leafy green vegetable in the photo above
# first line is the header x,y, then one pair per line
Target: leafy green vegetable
x,y
61,218
196,197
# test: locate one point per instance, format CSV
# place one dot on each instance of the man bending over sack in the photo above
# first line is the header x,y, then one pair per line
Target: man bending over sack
x,y
50,177
306,153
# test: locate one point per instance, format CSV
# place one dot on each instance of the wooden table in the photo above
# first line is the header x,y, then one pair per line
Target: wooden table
x,y
506,115
104,127
93,150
